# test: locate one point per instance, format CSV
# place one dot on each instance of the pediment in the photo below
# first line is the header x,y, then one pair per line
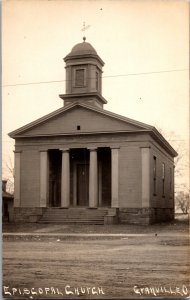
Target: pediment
x,y
78,119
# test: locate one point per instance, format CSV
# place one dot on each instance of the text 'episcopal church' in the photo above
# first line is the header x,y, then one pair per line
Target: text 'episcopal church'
x,y
84,164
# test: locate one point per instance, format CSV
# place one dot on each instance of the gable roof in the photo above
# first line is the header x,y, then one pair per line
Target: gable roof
x,y
63,110
120,124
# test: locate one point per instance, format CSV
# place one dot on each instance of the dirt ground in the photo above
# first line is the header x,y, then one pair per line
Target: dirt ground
x,y
127,261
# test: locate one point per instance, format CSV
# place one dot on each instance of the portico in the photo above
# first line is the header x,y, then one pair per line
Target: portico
x,y
84,177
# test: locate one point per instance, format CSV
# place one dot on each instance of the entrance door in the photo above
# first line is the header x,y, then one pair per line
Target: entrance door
x,y
82,184
55,178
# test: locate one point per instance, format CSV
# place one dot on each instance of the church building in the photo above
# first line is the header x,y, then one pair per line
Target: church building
x,y
84,164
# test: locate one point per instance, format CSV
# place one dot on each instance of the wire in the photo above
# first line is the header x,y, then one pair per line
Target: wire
x,y
119,75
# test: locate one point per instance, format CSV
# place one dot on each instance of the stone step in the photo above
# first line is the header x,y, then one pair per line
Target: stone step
x,y
70,220
100,222
67,223
72,210
73,215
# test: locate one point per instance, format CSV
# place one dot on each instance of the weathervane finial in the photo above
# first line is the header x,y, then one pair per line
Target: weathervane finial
x,y
85,27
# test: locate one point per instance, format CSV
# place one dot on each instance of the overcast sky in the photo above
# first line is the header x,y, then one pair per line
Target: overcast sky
x,y
143,43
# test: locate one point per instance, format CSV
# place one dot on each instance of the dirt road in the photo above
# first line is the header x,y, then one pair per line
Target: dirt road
x,y
104,267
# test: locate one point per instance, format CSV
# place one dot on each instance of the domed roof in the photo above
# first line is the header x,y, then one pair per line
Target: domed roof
x,y
81,50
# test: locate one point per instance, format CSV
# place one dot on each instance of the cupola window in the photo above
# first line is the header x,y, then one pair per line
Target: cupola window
x,y
97,81
79,77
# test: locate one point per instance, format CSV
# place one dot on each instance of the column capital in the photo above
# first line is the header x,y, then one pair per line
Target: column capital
x,y
92,148
64,150
145,147
17,151
43,150
114,147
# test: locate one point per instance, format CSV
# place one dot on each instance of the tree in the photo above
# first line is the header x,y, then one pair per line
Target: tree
x,y
182,194
181,161
9,175
183,201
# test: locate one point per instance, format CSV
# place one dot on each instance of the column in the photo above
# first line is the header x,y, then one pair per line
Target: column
x,y
93,179
114,177
17,179
145,155
43,178
65,179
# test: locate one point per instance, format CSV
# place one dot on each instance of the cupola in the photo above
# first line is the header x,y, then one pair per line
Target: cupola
x,y
83,76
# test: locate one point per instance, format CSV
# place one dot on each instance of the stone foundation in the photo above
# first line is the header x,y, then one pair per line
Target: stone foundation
x,y
162,215
111,217
141,216
28,214
134,216
145,216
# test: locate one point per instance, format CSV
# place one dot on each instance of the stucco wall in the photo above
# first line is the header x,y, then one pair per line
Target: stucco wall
x,y
130,166
129,163
30,177
162,204
130,176
158,199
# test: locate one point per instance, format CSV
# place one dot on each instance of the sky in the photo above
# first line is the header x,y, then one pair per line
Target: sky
x,y
144,44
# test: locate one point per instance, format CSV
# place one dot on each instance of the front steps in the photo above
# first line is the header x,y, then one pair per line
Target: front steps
x,y
77,215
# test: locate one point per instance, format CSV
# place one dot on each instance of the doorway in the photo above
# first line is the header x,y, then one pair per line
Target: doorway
x,y
55,159
104,158
82,184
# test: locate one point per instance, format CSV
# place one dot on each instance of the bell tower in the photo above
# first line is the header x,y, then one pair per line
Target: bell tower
x,y
83,76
